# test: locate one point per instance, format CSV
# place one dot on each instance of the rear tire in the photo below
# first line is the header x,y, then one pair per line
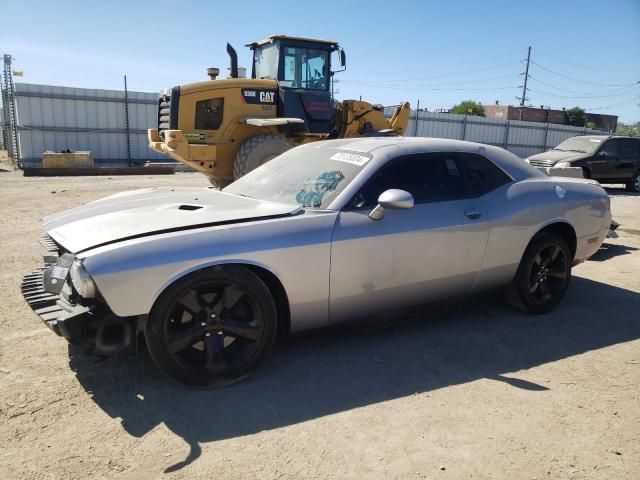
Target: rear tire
x,y
257,151
543,275
634,184
213,327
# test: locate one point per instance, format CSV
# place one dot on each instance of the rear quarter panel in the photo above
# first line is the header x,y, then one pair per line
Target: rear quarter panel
x,y
520,210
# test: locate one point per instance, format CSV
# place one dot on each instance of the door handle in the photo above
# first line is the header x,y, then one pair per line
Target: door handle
x,y
473,213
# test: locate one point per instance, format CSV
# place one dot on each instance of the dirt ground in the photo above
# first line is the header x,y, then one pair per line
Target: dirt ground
x,y
477,392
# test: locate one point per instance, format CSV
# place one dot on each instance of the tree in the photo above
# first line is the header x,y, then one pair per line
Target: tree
x,y
576,116
628,128
469,107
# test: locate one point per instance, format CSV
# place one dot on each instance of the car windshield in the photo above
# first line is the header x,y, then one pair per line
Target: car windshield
x,y
310,176
579,144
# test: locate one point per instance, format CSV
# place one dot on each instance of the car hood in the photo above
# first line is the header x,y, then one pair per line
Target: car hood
x,y
556,156
151,211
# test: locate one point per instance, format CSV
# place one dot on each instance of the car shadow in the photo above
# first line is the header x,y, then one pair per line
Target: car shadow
x,y
610,250
327,372
620,191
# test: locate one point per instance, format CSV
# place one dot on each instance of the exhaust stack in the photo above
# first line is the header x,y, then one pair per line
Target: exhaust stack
x,y
233,56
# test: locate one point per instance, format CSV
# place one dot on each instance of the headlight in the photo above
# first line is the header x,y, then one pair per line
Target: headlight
x,y
527,160
562,165
82,281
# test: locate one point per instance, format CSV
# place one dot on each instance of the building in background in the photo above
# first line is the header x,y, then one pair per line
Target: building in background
x,y
607,123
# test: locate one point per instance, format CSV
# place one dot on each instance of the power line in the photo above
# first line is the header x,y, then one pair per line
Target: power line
x,y
466,82
392,87
582,81
590,67
493,67
570,91
613,105
583,96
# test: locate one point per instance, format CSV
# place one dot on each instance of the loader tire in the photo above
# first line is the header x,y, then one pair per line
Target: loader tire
x,y
258,150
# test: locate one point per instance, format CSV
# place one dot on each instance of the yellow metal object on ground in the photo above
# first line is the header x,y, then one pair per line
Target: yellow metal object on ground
x,y
67,159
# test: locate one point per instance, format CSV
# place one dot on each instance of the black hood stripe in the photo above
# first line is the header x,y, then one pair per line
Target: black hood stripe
x,y
191,227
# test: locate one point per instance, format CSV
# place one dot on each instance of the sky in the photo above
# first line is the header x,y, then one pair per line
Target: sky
x,y
584,53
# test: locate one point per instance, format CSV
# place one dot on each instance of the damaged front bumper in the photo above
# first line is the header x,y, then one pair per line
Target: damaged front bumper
x,y
50,293
57,313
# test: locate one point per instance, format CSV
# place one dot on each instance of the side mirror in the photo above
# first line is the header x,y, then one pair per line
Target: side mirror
x,y
393,199
343,58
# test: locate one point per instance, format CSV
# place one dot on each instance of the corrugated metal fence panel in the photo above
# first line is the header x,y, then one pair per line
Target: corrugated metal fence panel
x,y
59,118
522,138
526,133
107,149
485,130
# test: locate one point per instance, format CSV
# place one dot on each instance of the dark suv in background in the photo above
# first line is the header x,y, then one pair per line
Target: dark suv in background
x,y
605,158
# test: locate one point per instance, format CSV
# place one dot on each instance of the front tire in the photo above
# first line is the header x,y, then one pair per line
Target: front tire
x,y
213,327
543,275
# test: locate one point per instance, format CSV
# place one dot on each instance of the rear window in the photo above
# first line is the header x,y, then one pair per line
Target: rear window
x,y
629,148
484,175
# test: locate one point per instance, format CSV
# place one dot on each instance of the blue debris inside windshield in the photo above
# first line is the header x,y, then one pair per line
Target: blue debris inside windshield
x,y
314,190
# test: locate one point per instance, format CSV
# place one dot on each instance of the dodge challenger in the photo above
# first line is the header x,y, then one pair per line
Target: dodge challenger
x,y
324,233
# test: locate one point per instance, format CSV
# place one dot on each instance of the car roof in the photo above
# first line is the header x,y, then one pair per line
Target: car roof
x,y
382,149
426,144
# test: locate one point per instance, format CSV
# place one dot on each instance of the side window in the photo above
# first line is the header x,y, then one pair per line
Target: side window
x,y
428,177
484,176
611,148
209,114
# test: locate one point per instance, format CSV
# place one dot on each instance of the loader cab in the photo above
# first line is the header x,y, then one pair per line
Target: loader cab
x,y
302,67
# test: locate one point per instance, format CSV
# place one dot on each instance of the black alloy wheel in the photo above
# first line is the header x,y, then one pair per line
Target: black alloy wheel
x,y
543,275
213,327
548,274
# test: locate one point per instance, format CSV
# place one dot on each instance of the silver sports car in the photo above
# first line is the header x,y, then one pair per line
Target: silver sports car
x,y
326,232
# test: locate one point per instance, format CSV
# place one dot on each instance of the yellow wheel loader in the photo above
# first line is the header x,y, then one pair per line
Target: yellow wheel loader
x,y
226,128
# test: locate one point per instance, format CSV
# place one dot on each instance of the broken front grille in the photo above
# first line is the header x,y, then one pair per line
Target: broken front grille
x,y
48,243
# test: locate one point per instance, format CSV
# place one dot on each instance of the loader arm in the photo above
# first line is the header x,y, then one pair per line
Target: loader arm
x,y
355,118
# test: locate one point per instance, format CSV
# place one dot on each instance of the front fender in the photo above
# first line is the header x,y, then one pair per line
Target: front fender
x,y
131,275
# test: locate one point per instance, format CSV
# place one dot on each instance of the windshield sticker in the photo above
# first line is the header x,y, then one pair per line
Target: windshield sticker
x,y
314,190
594,140
350,158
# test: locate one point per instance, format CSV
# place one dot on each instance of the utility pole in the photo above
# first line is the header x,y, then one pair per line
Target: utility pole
x,y
10,118
526,77
126,119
